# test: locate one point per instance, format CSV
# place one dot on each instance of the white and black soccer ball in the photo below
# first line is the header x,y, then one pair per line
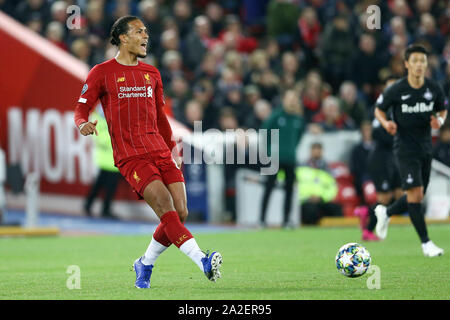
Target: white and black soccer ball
x,y
353,260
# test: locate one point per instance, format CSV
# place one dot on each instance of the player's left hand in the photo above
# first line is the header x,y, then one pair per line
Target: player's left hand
x,y
178,161
435,124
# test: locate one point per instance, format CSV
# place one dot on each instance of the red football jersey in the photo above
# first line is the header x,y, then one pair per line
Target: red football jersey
x,y
132,100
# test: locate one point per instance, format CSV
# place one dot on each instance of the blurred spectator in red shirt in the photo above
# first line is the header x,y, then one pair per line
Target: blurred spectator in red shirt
x,y
55,33
309,28
312,90
234,38
330,117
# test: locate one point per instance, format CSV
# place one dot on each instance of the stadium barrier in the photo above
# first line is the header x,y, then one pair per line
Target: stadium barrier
x,y
2,185
249,194
438,193
336,146
32,184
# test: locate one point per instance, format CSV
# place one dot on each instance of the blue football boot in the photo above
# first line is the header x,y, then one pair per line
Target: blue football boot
x,y
211,265
143,274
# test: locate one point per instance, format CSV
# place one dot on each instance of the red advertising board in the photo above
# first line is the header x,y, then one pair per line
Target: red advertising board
x,y
39,86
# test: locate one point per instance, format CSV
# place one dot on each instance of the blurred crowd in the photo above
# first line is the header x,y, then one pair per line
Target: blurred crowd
x,y
228,62
231,63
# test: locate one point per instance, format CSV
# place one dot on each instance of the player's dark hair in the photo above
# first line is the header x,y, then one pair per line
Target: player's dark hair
x,y
414,48
120,27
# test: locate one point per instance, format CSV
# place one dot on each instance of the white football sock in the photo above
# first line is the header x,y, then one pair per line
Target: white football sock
x,y
192,250
153,251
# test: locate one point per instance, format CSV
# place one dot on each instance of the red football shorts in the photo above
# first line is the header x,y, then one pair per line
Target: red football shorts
x,y
140,170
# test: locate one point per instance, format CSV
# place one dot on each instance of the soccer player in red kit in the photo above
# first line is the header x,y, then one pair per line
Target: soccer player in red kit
x,y
131,94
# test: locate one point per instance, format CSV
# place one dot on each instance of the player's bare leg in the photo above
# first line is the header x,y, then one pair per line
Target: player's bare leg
x,y
384,199
210,264
159,199
158,196
398,193
383,214
415,197
178,193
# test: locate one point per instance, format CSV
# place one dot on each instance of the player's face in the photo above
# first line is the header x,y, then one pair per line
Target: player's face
x,y
417,64
137,38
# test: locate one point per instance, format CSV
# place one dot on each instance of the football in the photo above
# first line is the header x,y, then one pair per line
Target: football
x,y
353,260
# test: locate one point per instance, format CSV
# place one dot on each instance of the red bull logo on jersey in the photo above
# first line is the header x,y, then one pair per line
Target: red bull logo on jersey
x,y
418,108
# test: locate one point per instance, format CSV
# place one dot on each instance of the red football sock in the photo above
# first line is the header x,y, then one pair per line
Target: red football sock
x,y
176,232
160,235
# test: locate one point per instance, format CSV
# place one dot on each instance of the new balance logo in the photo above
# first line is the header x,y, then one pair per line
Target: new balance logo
x,y
419,107
406,97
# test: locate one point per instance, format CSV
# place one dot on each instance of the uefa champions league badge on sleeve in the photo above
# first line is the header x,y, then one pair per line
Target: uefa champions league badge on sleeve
x,y
85,87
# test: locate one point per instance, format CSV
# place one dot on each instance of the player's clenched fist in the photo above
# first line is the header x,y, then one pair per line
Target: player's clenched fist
x,y
391,127
88,128
436,122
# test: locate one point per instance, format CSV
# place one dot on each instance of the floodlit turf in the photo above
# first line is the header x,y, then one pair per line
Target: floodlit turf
x,y
265,264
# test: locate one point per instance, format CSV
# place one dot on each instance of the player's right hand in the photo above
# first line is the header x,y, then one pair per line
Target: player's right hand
x,y
88,128
435,123
391,127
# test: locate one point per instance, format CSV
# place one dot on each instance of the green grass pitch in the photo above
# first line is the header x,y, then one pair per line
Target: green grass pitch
x,y
262,264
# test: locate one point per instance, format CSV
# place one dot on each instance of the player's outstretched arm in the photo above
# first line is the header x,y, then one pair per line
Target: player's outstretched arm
x,y
389,125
